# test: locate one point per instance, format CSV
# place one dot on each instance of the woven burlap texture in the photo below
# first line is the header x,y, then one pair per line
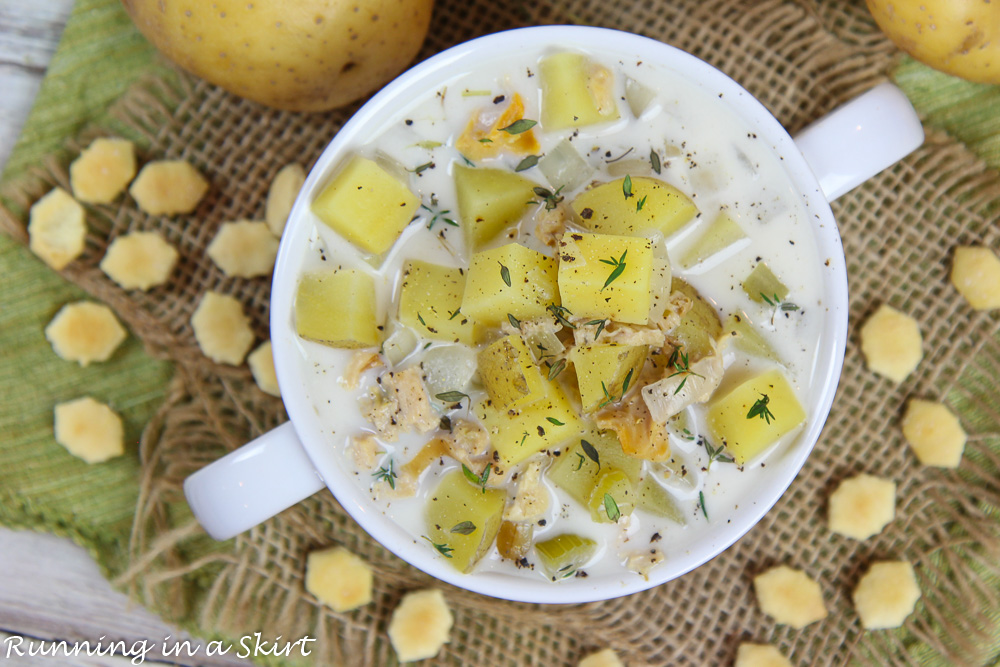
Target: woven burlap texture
x,y
801,60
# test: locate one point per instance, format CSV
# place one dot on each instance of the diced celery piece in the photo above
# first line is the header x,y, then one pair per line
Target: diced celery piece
x,y
601,371
761,285
731,420
721,234
606,209
447,368
575,92
653,498
514,539
563,167
489,200
399,344
563,554
337,308
430,302
700,327
613,491
455,504
366,205
638,96
594,284
746,337
575,472
488,299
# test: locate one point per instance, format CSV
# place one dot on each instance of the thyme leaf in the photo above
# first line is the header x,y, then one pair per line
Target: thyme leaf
x,y
504,273
616,273
560,314
627,187
514,322
527,163
387,475
553,420
591,453
464,528
519,126
654,160
760,409
611,507
701,501
452,396
556,368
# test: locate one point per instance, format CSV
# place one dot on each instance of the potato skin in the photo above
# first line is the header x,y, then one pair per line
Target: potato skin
x,y
958,37
298,55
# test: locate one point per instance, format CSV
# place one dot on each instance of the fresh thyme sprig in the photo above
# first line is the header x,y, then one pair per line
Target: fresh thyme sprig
x,y
716,454
616,273
443,549
600,326
760,409
387,475
679,360
436,216
779,305
639,204
549,198
556,368
560,314
478,480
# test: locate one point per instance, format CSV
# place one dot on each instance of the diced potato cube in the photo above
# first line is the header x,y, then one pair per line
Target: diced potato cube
x,y
139,260
612,493
747,338
420,625
57,229
886,595
168,187
366,205
759,655
603,276
489,200
563,554
575,92
244,249
789,596
337,308
103,170
862,506
576,472
281,196
761,285
605,209
975,273
482,140
517,433
261,362
604,658
721,234
452,507
755,415
602,370
222,329
89,430
509,374
85,332
891,343
934,433
430,302
700,327
339,579
489,299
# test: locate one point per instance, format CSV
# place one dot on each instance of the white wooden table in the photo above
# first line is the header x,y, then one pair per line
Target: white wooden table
x,y
50,589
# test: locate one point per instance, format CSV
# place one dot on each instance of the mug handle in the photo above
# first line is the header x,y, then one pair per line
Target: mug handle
x,y
250,485
861,138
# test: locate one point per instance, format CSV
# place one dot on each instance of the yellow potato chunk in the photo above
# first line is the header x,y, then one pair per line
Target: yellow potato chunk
x,y
140,260
510,375
862,506
420,625
430,302
168,187
886,595
891,343
532,287
261,362
281,196
605,372
605,209
244,249
89,430
85,332
366,205
339,579
463,518
489,200
603,658
575,92
934,433
975,273
103,170
760,655
517,433
222,329
606,277
57,229
789,596
337,308
740,420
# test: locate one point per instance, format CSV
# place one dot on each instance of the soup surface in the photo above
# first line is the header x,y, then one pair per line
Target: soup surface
x,y
599,320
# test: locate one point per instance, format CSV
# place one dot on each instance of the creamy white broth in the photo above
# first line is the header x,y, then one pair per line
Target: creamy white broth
x,y
720,164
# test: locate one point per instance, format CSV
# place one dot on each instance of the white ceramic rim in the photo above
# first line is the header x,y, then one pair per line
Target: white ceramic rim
x,y
429,75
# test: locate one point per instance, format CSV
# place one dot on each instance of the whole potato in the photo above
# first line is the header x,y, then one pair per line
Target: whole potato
x,y
300,55
959,37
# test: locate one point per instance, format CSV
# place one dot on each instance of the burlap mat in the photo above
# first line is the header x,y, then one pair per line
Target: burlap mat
x,y
801,59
